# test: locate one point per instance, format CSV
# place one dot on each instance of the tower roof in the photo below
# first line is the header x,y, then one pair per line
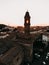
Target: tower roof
x,y
27,15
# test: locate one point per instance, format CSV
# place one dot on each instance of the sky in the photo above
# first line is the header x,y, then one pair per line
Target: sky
x,y
12,12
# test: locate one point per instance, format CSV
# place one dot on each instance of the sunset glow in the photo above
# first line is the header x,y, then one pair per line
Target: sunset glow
x,y
27,21
12,12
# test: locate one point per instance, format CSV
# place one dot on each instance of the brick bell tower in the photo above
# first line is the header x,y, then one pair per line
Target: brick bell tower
x,y
27,23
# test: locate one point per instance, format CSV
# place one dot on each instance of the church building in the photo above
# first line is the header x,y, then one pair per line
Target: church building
x,y
27,23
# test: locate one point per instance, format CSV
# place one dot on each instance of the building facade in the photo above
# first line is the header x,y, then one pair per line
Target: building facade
x,y
22,48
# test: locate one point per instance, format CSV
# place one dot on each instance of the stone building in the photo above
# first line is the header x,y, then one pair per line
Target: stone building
x,y
22,48
27,23
14,56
